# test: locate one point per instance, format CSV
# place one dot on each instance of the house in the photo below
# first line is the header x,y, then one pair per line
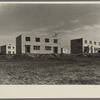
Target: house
x,y
8,49
35,44
65,51
82,45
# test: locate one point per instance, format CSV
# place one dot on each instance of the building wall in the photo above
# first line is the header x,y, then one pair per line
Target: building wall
x,y
11,50
3,49
77,46
18,45
95,47
42,44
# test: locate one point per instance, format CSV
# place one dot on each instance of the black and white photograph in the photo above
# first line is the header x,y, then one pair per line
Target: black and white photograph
x,y
49,44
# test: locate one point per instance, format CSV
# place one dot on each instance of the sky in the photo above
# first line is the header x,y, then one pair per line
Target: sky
x,y
69,21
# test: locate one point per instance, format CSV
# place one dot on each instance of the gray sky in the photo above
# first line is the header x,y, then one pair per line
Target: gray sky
x,y
68,20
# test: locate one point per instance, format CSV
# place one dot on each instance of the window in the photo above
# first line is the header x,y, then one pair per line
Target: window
x,y
55,40
46,40
86,49
47,47
36,47
27,38
90,42
85,41
13,52
95,50
13,47
37,39
9,52
98,43
94,42
9,47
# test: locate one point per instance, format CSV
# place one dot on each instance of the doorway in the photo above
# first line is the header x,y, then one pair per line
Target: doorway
x,y
27,49
55,49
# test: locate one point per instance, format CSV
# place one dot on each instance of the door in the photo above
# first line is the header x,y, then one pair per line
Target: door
x,y
55,49
27,49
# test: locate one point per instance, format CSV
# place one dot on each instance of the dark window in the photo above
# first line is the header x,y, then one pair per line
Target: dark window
x,y
86,49
47,47
13,47
90,42
55,40
37,39
13,52
9,52
94,42
98,43
27,38
46,40
9,47
36,47
85,41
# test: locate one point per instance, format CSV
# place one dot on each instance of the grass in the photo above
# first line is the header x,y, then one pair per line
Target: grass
x,y
50,69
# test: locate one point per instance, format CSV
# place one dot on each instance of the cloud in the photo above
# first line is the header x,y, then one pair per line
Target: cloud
x,y
90,32
75,21
48,28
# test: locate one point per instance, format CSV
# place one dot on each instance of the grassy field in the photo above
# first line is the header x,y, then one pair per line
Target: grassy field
x,y
50,69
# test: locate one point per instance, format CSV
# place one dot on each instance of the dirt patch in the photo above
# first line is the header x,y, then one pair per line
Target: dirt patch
x,y
49,69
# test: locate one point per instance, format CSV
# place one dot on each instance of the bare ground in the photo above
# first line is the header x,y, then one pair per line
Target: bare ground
x,y
50,69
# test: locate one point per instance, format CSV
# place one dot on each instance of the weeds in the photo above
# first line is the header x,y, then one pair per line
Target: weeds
x,y
54,69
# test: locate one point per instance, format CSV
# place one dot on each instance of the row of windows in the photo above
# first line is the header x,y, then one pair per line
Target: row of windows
x,y
38,40
9,52
47,47
9,47
38,47
90,42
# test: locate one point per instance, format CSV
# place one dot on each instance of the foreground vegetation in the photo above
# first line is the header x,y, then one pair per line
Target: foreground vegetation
x,y
50,69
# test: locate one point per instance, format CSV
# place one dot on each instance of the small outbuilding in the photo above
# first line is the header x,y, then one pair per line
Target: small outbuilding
x,y
8,49
65,51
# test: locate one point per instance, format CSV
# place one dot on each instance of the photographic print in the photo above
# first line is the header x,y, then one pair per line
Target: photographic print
x,y
49,44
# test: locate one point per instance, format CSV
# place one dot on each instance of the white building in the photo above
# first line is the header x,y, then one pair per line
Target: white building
x,y
8,49
83,45
65,51
33,44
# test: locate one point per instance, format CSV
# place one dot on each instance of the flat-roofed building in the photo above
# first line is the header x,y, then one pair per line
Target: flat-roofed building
x,y
65,51
82,45
8,49
35,44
